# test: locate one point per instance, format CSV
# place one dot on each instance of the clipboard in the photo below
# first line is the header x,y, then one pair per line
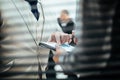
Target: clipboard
x,y
52,46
